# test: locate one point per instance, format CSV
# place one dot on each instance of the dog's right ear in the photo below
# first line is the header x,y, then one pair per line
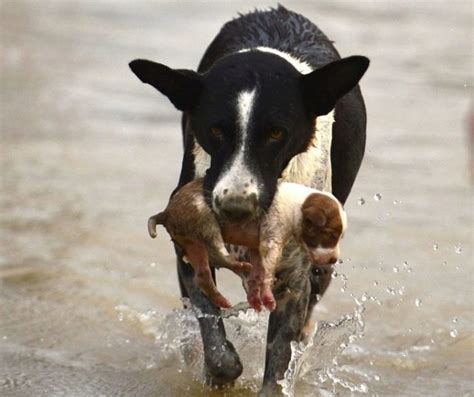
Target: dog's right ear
x,y
182,87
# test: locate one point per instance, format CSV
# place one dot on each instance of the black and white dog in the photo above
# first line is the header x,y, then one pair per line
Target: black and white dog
x,y
271,99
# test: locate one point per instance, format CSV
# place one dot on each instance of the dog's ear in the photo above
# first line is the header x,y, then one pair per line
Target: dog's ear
x,y
182,87
323,87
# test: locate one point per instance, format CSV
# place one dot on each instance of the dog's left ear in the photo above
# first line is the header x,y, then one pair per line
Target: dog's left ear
x,y
181,86
323,87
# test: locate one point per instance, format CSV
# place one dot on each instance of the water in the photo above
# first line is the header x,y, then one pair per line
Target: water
x,y
89,305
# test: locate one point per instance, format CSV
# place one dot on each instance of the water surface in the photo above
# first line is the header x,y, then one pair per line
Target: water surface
x,y
89,304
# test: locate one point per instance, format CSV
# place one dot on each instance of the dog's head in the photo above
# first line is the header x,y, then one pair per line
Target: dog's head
x,y
252,112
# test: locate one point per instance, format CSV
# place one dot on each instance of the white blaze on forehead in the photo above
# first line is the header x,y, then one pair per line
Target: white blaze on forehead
x,y
245,102
238,180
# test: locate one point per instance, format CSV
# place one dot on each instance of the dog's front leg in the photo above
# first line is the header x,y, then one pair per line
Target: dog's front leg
x,y
292,292
222,363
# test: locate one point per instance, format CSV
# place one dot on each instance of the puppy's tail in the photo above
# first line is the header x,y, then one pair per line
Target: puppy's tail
x,y
158,219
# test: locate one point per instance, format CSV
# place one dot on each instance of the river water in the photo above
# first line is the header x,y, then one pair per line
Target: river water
x,y
89,304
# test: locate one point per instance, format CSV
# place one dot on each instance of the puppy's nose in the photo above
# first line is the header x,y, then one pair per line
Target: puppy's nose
x,y
238,208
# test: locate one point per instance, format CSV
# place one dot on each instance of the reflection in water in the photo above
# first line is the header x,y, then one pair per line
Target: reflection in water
x,y
89,305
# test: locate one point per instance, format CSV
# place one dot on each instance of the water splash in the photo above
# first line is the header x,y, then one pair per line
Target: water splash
x,y
328,340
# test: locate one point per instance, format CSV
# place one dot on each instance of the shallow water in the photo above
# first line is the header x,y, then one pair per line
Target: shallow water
x,y
89,305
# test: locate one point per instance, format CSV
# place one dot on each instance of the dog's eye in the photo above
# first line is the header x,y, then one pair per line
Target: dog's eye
x,y
276,135
216,132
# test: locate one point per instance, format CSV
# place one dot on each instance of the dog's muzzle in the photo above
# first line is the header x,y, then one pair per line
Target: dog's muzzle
x,y
236,208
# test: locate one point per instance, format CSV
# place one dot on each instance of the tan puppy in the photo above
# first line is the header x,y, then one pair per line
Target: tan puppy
x,y
193,226
315,219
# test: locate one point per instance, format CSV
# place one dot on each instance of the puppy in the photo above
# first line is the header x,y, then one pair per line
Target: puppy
x,y
313,218
193,226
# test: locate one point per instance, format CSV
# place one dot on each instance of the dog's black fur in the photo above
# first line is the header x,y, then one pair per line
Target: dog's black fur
x,y
285,101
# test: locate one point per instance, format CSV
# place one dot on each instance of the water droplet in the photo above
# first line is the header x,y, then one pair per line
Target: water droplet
x,y
458,248
396,202
418,302
454,333
455,320
153,264
409,270
390,290
401,291
435,247
396,269
376,283
127,340
377,197
371,363
376,377
364,388
361,201
410,330
4,337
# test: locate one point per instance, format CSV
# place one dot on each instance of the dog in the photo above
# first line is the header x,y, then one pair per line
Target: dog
x,y
313,218
270,99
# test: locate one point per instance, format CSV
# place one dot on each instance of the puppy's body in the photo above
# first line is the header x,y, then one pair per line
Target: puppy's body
x,y
193,226
315,219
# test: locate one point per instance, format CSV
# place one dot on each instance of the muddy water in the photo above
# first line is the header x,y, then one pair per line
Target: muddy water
x,y
89,305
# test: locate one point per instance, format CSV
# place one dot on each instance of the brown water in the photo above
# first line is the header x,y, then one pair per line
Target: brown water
x,y
89,305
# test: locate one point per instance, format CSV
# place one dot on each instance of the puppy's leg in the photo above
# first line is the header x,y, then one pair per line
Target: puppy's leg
x,y
220,257
260,280
270,253
196,253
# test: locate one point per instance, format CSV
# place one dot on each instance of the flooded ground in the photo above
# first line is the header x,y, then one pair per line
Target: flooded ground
x,y
89,304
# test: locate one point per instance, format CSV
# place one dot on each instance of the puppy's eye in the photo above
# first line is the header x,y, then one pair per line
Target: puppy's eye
x,y
216,132
276,135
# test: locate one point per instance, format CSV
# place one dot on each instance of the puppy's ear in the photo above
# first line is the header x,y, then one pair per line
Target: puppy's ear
x,y
323,87
182,87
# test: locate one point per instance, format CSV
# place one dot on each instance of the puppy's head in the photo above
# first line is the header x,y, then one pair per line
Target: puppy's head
x,y
252,112
323,225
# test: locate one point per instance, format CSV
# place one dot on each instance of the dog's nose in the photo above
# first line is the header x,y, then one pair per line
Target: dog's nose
x,y
237,208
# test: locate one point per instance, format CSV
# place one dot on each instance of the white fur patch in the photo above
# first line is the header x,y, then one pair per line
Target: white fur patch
x,y
320,251
313,167
245,103
300,65
238,179
202,161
